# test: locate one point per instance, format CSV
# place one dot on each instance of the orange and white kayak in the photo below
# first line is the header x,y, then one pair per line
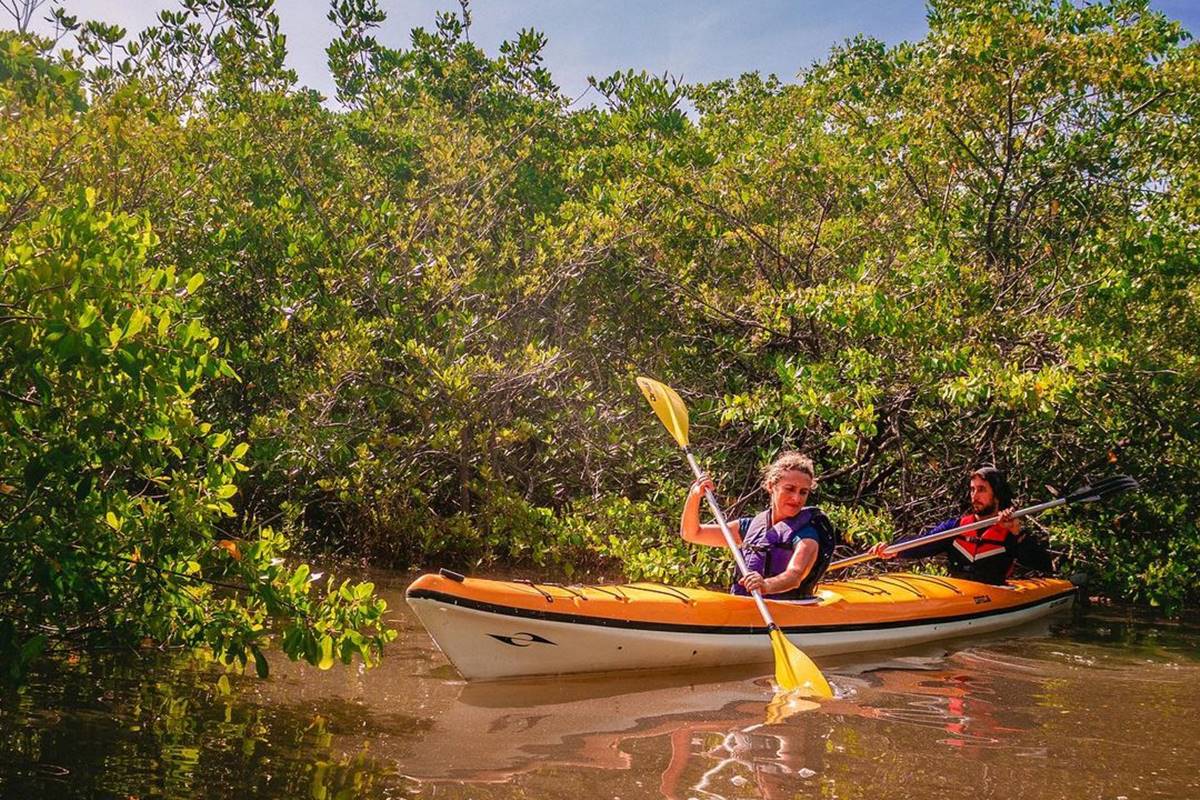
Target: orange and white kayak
x,y
507,629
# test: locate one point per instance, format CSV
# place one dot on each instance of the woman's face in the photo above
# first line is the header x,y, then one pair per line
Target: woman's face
x,y
789,493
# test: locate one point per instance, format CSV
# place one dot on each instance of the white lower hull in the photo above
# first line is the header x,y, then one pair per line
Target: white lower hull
x,y
486,645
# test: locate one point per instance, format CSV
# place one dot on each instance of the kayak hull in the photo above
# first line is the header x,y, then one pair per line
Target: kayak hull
x,y
492,630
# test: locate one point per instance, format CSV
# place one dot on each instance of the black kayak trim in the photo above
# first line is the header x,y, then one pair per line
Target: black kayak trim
x,y
673,627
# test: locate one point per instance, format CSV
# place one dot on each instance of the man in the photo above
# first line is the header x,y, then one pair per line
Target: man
x,y
989,555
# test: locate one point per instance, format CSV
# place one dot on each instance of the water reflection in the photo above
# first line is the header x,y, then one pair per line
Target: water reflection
x,y
714,732
958,703
729,762
1072,712
588,722
168,726
972,709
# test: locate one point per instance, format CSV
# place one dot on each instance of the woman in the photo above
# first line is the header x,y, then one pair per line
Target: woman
x,y
787,547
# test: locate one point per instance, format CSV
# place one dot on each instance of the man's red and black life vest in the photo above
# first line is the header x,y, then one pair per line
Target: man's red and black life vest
x,y
985,555
978,545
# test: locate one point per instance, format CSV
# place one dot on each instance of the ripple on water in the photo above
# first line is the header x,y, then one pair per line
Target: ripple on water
x,y
1073,711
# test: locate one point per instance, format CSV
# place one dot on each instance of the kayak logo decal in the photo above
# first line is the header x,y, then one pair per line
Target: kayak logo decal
x,y
521,639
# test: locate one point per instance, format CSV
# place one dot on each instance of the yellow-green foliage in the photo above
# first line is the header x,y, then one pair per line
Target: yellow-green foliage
x,y
978,247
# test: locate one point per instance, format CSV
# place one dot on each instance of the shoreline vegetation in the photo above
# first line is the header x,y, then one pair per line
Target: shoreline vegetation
x,y
402,325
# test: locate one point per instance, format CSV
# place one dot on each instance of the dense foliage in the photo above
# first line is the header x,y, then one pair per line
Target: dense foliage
x,y
114,484
406,325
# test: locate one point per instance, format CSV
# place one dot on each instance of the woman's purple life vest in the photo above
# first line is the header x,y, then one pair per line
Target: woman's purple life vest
x,y
768,548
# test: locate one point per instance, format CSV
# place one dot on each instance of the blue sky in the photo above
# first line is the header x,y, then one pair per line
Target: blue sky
x,y
697,40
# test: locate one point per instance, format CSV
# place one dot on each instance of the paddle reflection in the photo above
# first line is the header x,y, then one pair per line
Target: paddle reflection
x,y
776,764
716,733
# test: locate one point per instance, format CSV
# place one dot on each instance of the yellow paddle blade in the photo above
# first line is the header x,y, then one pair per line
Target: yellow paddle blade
x,y
668,406
794,671
787,704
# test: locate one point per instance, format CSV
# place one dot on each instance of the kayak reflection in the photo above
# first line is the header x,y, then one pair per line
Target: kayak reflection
x,y
496,731
712,728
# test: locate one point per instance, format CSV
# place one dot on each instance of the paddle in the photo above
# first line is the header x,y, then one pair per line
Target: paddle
x,y
1086,494
794,671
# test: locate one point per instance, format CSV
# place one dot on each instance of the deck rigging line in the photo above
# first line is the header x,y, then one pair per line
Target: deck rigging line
x,y
945,584
892,580
669,591
858,587
575,592
613,591
526,582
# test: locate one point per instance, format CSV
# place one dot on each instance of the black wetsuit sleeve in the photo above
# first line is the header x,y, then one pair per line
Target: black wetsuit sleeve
x,y
1032,554
933,548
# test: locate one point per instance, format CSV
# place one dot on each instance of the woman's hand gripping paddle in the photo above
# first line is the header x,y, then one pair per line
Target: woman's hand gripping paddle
x,y
794,671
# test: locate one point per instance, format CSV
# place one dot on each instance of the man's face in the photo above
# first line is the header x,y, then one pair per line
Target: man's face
x,y
983,501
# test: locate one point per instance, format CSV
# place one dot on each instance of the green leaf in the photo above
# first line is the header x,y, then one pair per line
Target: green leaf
x,y
195,282
84,487
193,330
326,660
87,317
113,521
261,667
299,577
226,370
32,648
137,321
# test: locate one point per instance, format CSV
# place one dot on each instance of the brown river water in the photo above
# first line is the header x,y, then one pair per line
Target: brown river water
x,y
1102,703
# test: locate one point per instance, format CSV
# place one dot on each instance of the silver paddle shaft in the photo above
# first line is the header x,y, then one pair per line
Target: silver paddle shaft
x,y
900,547
729,540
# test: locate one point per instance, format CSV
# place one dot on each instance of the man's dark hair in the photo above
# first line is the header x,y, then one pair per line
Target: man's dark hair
x,y
999,484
